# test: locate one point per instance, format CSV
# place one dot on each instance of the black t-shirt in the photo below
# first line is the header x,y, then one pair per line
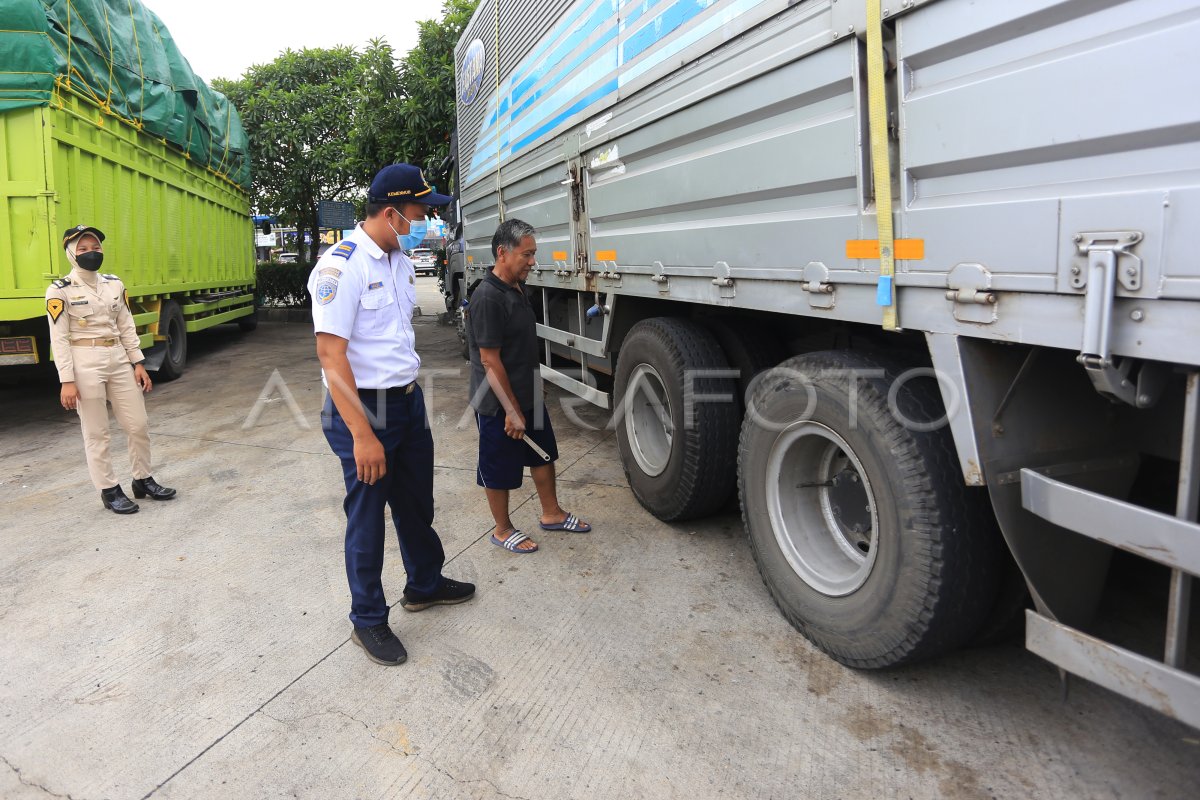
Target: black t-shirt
x,y
500,315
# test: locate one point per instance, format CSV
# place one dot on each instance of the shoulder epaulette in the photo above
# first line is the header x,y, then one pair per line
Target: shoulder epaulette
x,y
345,249
110,276
61,282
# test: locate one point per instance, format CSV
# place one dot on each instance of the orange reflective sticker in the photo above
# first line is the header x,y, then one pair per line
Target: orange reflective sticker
x,y
906,249
559,255
606,255
54,307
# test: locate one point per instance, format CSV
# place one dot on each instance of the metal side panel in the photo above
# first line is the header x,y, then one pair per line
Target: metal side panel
x,y
480,218
1024,123
764,175
563,62
1152,683
483,82
1159,537
27,252
544,202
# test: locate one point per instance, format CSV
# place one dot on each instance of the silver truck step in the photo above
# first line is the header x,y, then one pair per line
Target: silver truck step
x,y
1168,540
576,387
1172,691
1173,541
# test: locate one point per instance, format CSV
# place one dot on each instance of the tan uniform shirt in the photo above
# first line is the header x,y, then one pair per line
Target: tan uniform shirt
x,y
78,309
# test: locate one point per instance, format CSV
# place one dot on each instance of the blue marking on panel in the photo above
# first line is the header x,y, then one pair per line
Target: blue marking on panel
x,y
520,114
600,70
635,14
574,108
549,40
577,37
684,40
567,70
661,26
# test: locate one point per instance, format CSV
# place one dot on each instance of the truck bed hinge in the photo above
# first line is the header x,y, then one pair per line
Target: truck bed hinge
x,y
1111,261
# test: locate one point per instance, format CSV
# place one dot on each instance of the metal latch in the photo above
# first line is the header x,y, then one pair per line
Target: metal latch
x,y
1110,259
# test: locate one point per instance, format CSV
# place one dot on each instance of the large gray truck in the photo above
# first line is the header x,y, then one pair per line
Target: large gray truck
x,y
917,283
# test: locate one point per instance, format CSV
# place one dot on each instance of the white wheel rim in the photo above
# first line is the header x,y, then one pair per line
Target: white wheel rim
x,y
811,474
649,424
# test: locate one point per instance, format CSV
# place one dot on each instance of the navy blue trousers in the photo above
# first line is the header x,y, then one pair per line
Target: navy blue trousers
x,y
407,489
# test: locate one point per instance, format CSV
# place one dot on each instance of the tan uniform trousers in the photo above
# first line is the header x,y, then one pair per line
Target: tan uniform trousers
x,y
103,375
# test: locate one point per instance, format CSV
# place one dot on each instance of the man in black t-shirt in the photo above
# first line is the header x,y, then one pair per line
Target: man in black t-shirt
x,y
506,390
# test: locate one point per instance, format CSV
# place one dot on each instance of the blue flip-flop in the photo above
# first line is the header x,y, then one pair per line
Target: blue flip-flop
x,y
572,524
512,543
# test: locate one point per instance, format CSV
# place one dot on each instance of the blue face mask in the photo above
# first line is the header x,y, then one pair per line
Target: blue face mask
x,y
417,228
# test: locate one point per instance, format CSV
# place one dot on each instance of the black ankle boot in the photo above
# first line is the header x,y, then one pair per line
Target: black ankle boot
x,y
116,500
149,487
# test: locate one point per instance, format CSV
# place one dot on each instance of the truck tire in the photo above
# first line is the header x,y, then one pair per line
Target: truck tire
x,y
249,322
749,348
863,529
1006,620
172,326
676,471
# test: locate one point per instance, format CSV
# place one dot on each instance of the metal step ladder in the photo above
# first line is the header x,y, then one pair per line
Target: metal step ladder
x,y
1174,541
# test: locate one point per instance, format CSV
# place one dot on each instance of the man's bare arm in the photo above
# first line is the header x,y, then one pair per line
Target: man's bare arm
x,y
497,377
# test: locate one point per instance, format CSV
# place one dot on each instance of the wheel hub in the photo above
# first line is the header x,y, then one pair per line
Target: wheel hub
x,y
822,508
649,425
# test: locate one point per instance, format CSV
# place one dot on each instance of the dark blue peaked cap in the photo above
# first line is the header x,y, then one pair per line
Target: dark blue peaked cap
x,y
404,183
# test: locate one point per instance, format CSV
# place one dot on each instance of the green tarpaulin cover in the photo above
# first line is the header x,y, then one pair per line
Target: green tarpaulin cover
x,y
119,55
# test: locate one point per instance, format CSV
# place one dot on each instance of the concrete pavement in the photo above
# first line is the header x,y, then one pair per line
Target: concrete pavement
x,y
200,648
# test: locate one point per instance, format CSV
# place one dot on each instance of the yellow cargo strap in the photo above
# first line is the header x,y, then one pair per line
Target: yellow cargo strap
x,y
885,294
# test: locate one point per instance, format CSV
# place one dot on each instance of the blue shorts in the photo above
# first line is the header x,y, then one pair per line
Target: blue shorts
x,y
502,459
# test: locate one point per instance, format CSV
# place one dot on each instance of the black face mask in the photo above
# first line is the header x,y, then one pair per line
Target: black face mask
x,y
90,261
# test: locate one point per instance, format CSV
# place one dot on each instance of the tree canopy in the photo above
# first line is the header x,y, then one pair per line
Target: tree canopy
x,y
321,122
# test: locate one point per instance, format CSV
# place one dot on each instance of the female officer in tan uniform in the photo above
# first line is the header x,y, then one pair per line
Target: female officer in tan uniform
x,y
95,343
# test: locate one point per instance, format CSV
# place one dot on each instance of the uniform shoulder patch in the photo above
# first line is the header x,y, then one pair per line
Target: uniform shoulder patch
x,y
109,276
332,272
61,283
326,290
345,249
54,307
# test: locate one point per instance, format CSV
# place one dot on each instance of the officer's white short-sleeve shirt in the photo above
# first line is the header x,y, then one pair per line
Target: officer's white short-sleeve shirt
x,y
366,296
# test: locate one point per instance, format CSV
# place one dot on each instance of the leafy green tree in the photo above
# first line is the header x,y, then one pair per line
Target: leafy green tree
x,y
298,112
427,83
408,112
321,122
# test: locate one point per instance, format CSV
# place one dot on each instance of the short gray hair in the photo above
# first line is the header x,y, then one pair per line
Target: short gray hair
x,y
509,235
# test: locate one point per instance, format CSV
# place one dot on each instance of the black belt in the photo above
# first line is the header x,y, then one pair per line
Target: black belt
x,y
391,391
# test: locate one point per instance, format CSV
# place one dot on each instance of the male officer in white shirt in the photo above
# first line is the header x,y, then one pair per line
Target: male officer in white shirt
x,y
374,417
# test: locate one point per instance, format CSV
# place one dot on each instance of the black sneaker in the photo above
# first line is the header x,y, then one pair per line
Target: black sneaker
x,y
448,593
380,644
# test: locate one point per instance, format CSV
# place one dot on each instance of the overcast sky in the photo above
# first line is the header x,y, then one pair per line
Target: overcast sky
x,y
221,38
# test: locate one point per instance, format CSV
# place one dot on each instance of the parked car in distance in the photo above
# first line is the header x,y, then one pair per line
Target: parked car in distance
x,y
424,261
289,258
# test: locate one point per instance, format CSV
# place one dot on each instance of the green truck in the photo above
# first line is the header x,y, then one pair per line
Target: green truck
x,y
102,122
